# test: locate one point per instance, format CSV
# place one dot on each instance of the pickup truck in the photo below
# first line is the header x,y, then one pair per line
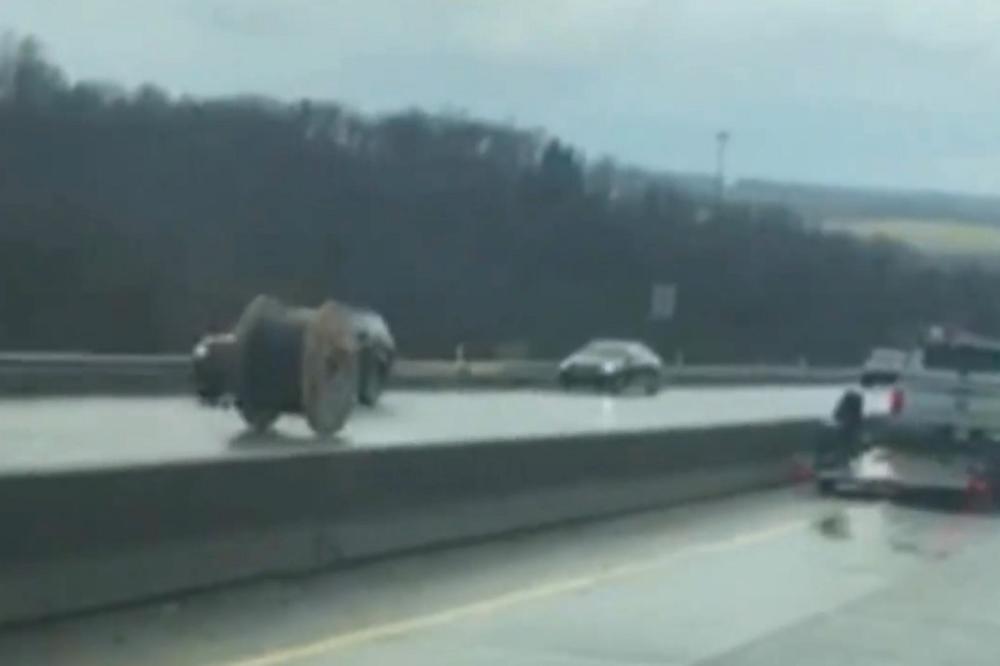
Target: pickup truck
x,y
376,353
943,426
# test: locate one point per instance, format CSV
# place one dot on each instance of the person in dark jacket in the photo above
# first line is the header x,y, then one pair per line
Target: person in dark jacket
x,y
841,443
849,414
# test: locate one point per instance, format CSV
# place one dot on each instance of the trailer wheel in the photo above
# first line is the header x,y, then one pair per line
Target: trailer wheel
x,y
826,487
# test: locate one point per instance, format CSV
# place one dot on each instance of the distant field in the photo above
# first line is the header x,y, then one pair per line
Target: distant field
x,y
938,236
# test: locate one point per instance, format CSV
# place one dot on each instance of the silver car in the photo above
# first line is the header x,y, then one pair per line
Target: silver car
x,y
613,366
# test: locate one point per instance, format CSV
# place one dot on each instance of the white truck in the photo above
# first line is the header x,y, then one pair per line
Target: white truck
x,y
942,431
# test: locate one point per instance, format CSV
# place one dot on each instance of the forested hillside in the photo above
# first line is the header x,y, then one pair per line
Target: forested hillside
x,y
131,220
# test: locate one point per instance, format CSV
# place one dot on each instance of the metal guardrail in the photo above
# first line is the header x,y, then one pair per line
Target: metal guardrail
x,y
545,371
43,373
762,373
67,360
70,373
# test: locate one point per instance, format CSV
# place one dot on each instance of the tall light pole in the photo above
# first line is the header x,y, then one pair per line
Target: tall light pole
x,y
721,141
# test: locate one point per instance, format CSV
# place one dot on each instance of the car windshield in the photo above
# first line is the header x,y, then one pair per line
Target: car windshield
x,y
605,350
556,332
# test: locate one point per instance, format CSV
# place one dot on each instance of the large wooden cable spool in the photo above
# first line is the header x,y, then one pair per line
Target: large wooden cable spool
x,y
294,360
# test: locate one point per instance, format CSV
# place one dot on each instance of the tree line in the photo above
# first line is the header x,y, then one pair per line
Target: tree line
x,y
133,220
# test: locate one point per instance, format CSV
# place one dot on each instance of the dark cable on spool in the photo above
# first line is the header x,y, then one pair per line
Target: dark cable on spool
x,y
272,362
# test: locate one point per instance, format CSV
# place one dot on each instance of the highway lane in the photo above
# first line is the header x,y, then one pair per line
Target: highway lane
x,y
772,578
49,434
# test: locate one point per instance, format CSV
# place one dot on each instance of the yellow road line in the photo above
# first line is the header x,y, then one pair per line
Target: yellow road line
x,y
492,605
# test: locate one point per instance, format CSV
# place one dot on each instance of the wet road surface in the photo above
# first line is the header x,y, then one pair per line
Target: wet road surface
x,y
69,433
781,577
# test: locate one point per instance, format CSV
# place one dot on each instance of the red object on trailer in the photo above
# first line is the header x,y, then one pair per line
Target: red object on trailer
x,y
897,400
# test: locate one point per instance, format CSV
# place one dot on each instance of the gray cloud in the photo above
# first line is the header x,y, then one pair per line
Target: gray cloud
x,y
883,92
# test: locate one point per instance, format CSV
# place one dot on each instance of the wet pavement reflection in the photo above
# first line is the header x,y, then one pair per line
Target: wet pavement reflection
x,y
929,526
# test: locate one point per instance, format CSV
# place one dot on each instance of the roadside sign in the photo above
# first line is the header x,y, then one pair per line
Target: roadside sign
x,y
663,301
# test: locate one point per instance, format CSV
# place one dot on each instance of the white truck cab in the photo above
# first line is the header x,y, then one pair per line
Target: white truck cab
x,y
883,367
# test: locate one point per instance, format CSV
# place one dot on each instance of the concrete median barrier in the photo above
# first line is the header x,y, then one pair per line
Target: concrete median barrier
x,y
26,374
84,539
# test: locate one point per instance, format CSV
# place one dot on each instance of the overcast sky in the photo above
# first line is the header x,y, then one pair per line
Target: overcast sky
x,y
900,93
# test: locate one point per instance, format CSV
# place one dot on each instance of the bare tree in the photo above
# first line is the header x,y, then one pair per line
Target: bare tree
x,y
8,64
